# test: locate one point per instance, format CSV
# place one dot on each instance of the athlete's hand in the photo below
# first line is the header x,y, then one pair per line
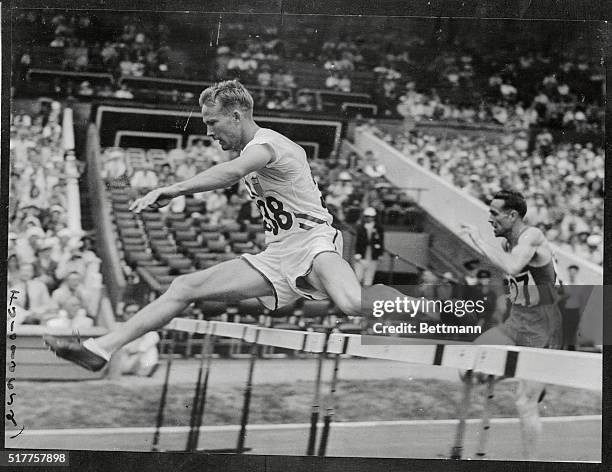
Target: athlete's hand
x,y
156,198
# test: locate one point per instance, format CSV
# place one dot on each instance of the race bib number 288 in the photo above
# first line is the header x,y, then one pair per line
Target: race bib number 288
x,y
275,217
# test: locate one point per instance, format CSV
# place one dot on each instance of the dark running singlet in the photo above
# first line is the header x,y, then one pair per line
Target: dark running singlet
x,y
533,286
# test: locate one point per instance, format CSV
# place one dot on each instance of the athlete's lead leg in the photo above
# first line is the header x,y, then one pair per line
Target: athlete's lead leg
x,y
335,276
229,281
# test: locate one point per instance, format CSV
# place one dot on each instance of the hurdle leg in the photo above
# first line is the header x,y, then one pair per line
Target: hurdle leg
x,y
162,400
330,408
247,397
485,425
457,450
197,397
210,344
314,415
194,402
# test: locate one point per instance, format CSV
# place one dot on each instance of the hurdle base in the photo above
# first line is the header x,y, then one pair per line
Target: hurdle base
x,y
229,450
456,453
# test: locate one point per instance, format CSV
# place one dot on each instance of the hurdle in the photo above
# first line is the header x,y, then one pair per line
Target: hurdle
x,y
162,401
542,365
199,401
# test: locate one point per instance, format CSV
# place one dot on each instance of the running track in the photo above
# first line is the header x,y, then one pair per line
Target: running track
x,y
564,439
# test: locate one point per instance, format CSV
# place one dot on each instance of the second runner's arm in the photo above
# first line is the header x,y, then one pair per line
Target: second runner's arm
x,y
514,261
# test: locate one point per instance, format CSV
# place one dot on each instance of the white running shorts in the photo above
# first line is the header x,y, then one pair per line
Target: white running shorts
x,y
282,263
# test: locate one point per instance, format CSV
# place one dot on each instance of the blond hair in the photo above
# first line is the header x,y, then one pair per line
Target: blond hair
x,y
229,94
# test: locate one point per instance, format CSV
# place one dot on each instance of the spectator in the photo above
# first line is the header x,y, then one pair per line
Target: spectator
x,y
264,77
33,297
370,166
26,248
574,300
85,89
61,245
177,156
114,166
45,267
595,245
187,169
72,261
140,357
339,192
144,179
71,315
332,82
369,246
538,212
12,265
215,203
124,93
72,297
344,83
165,175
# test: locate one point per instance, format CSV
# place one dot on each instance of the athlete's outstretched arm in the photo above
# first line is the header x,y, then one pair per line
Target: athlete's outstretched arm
x,y
220,176
511,262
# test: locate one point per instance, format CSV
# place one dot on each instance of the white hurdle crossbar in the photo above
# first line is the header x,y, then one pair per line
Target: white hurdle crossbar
x,y
568,368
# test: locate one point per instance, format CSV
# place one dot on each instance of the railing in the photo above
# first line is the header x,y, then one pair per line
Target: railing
x,y
107,248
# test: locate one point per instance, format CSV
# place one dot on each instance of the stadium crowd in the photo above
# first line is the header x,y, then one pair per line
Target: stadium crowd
x,y
131,47
563,182
48,264
407,75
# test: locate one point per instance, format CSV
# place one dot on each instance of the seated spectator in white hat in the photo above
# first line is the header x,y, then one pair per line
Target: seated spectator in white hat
x,y
187,169
371,167
26,247
33,300
573,223
264,77
340,190
124,91
61,243
144,179
216,201
71,287
114,167
176,156
140,357
70,315
595,245
538,211
85,89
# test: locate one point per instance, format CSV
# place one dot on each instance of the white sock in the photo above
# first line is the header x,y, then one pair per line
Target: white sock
x,y
91,345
